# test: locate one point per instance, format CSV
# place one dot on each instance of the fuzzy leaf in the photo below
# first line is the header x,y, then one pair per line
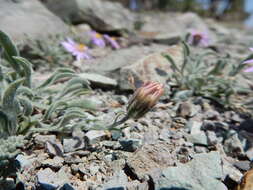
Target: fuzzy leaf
x,y
53,108
56,76
27,69
10,50
83,103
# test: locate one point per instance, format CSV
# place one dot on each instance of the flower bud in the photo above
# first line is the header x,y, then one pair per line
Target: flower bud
x,y
143,99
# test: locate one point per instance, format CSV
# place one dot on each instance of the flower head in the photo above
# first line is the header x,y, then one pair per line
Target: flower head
x,y
144,98
78,50
198,39
249,69
112,41
97,39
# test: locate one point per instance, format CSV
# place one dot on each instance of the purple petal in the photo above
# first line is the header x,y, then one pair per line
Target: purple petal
x,y
248,61
251,49
69,47
250,69
112,42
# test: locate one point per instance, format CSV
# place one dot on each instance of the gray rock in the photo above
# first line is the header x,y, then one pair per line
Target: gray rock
x,y
54,148
200,149
242,165
25,161
66,186
55,163
73,144
184,109
118,181
229,171
249,153
233,145
48,179
202,172
211,137
150,157
99,80
94,136
111,64
163,29
130,145
101,15
31,18
194,126
154,67
211,114
40,140
197,138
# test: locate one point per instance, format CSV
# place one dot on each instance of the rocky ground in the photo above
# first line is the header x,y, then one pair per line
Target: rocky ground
x,y
190,144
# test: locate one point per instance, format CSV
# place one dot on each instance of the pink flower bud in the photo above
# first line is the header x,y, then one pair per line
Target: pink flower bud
x,y
144,98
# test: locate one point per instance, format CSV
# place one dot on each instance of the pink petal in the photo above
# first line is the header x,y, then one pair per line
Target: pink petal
x,y
250,69
251,49
248,61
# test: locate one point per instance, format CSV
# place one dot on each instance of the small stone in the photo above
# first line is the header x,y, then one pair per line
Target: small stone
x,y
249,153
211,114
93,169
200,149
211,138
40,140
242,165
73,144
54,148
184,109
117,181
233,146
197,139
56,162
66,186
229,171
130,145
94,136
194,126
24,161
46,179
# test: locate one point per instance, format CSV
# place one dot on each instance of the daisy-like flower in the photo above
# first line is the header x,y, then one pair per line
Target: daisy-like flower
x,y
112,41
249,69
198,39
97,39
80,51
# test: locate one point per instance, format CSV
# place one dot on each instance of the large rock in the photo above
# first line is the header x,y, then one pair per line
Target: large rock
x,y
201,173
101,15
167,27
154,67
140,63
29,18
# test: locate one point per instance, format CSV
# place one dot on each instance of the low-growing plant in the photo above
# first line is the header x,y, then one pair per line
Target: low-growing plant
x,y
27,107
195,77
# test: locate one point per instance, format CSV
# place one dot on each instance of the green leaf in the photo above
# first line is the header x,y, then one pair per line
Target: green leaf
x,y
53,108
83,103
59,74
73,84
27,69
10,50
27,106
171,60
10,92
